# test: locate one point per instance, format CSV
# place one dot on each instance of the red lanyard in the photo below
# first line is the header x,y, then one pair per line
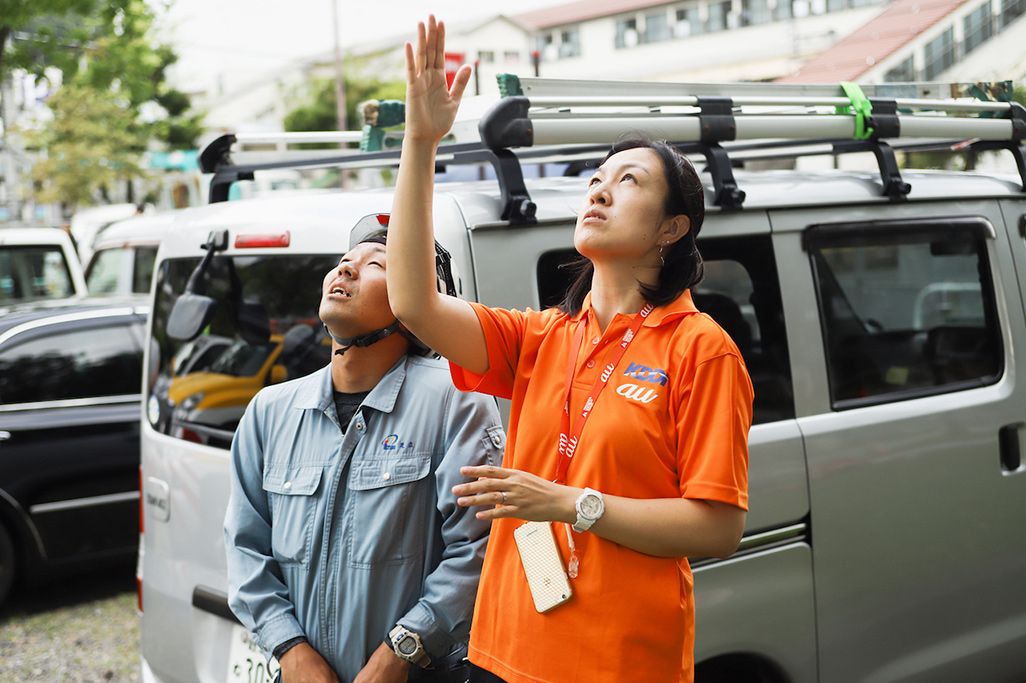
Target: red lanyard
x,y
569,440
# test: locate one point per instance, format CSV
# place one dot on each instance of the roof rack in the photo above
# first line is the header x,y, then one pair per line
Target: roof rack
x,y
546,111
564,120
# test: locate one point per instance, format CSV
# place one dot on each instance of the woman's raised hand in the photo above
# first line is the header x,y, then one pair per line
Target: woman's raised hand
x,y
430,104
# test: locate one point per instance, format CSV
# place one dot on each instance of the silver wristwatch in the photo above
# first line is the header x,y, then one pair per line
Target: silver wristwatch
x,y
407,645
590,507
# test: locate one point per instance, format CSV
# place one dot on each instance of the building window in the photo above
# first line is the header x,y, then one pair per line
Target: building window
x,y
835,5
1011,10
511,57
486,56
686,23
902,73
782,10
977,27
717,19
754,12
570,42
626,33
657,28
939,54
546,47
906,310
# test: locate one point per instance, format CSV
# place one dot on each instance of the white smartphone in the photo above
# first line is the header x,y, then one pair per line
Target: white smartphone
x,y
543,566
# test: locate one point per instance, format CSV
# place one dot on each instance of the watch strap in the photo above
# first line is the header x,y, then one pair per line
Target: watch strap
x,y
583,523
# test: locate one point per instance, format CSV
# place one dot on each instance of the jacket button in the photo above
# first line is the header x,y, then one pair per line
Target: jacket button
x,y
591,364
595,341
359,426
287,485
496,441
386,476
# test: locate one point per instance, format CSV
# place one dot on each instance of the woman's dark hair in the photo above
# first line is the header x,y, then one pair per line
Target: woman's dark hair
x,y
683,264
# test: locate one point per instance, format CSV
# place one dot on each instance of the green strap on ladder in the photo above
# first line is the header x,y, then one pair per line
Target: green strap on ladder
x,y
861,107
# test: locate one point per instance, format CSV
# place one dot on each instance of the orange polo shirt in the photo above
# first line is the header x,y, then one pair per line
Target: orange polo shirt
x,y
672,421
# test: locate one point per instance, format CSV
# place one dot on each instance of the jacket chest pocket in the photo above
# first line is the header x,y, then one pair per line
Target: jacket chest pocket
x,y
290,495
393,503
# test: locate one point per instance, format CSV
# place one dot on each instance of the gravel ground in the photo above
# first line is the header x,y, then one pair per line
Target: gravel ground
x,y
78,630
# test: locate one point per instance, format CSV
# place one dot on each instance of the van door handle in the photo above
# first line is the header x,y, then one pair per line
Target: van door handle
x,y
1010,441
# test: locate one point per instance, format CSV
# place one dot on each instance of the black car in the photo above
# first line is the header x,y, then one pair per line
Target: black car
x,y
70,381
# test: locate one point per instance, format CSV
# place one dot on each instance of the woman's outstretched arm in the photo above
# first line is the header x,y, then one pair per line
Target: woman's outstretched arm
x,y
446,324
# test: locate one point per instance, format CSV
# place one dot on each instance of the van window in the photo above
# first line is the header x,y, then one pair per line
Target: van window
x,y
105,271
906,310
33,272
261,333
741,292
142,269
73,364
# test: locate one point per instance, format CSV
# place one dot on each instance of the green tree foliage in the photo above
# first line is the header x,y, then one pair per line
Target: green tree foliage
x,y
102,44
321,113
92,143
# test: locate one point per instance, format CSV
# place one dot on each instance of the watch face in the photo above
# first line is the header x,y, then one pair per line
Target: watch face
x,y
407,645
591,506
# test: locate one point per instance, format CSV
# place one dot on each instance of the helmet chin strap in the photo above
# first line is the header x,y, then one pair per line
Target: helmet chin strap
x,y
362,340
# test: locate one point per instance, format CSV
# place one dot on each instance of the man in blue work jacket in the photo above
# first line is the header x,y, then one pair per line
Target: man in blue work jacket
x,y
348,558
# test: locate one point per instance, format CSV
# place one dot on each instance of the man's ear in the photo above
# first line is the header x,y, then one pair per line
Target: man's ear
x,y
675,228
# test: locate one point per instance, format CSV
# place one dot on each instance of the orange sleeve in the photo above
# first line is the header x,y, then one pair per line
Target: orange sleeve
x,y
712,432
504,335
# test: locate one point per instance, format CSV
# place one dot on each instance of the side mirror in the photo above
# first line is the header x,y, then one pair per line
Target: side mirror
x,y
193,309
190,315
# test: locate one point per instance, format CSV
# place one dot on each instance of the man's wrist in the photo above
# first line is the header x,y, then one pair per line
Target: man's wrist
x,y
280,649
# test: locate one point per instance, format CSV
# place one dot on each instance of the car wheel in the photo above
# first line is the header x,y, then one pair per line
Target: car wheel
x,y
6,563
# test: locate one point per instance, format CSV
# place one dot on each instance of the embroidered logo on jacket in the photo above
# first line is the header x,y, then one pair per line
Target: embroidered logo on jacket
x,y
392,443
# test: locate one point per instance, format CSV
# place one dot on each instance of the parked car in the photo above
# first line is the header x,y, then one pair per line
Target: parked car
x,y
38,263
70,377
86,224
884,540
122,260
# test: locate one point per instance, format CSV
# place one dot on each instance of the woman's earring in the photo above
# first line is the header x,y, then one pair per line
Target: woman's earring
x,y
662,261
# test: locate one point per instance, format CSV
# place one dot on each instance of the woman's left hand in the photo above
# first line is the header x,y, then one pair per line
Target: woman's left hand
x,y
516,493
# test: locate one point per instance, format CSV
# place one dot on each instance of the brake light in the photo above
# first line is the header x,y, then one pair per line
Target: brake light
x,y
266,240
382,219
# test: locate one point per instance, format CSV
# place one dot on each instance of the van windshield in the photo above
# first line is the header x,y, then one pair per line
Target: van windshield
x,y
33,272
262,332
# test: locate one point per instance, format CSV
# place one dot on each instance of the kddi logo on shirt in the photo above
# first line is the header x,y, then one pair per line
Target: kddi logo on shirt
x,y
642,373
392,443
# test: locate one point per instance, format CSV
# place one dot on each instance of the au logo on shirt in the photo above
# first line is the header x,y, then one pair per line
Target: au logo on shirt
x,y
392,443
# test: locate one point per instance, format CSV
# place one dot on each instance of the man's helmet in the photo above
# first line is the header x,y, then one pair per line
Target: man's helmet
x,y
374,228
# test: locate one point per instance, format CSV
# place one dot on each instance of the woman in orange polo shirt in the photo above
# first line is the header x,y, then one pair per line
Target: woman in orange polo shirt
x,y
629,419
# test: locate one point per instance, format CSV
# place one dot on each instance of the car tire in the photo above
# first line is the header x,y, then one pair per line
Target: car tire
x,y
7,563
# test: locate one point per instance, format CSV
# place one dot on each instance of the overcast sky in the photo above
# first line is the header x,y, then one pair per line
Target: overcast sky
x,y
239,40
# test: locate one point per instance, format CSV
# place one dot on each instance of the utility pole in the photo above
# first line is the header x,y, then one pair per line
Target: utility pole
x,y
340,88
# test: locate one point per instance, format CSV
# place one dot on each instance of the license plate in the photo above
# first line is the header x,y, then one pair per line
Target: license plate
x,y
246,662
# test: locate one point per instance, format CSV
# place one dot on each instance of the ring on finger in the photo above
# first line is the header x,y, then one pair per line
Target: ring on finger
x,y
503,494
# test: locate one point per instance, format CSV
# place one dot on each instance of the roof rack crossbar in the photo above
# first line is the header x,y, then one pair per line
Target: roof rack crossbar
x,y
551,87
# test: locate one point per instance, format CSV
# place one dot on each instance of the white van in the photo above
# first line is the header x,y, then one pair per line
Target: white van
x,y
887,484
38,263
123,256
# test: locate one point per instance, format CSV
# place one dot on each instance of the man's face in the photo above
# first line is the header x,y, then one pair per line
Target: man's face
x,y
354,300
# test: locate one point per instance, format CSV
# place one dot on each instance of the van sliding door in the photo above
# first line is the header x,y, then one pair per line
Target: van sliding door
x,y
906,324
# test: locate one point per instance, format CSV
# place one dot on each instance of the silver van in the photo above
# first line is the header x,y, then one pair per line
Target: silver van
x,y
880,314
